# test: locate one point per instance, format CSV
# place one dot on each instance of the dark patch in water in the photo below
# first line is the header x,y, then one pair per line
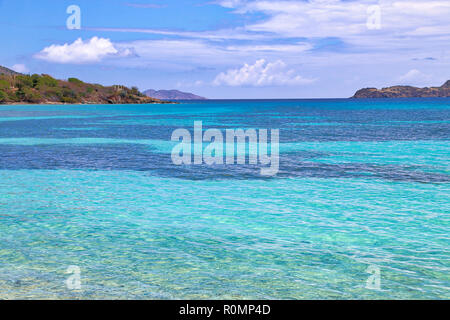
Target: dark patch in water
x,y
139,158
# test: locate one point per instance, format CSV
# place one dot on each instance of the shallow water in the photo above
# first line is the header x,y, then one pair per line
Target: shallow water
x,y
361,183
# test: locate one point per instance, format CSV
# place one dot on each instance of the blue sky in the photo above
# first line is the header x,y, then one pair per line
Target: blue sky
x,y
233,48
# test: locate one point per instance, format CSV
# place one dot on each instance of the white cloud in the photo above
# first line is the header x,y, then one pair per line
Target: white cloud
x,y
230,3
347,19
406,25
324,18
260,74
288,48
21,68
173,55
93,50
414,76
185,55
216,35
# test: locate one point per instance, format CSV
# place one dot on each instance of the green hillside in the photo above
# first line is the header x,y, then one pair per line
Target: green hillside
x,y
20,88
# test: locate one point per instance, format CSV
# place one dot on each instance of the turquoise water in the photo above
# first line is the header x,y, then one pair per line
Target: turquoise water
x,y
361,183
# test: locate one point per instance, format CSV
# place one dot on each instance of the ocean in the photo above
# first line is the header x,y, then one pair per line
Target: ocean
x,y
359,208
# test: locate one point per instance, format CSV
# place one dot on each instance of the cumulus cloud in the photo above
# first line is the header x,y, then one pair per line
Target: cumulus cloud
x,y
261,73
92,50
414,76
21,68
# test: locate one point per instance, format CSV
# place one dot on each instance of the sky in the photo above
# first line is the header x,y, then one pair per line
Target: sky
x,y
232,49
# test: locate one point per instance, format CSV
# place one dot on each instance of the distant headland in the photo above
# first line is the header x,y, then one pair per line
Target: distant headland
x,y
172,95
16,88
405,92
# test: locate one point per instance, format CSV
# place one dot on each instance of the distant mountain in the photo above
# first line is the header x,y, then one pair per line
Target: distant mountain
x,y
4,70
405,92
172,95
20,88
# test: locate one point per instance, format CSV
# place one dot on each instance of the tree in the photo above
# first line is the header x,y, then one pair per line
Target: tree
x,y
35,79
48,81
135,90
24,81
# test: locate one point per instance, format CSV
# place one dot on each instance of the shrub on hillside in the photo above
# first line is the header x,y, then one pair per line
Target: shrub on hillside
x,y
75,81
48,81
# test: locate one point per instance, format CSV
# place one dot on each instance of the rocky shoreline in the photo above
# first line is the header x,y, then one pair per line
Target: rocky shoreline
x,y
405,92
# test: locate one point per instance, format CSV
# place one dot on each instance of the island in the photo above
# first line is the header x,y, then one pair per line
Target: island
x,y
172,95
405,92
17,88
